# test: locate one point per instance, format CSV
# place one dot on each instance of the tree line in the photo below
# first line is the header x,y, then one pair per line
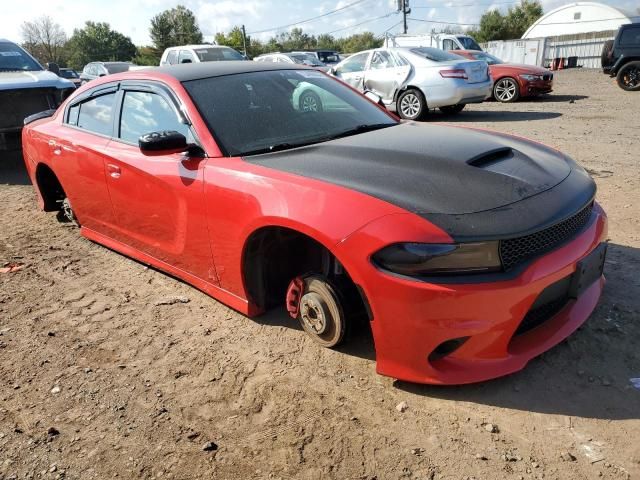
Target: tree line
x,y
97,41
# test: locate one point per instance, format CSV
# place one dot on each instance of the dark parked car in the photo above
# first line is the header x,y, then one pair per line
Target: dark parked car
x,y
621,57
25,88
71,75
327,57
95,70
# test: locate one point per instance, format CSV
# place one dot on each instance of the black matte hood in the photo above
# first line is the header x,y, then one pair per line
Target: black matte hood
x,y
444,173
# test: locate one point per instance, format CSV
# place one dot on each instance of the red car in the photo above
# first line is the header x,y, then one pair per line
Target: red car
x,y
512,81
469,252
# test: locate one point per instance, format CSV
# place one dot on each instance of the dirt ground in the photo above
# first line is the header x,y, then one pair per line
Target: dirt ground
x,y
110,369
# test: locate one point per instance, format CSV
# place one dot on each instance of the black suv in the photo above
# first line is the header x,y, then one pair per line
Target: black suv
x,y
621,57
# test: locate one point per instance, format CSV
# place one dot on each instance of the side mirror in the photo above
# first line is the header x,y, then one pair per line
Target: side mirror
x,y
53,68
333,71
162,143
186,60
374,97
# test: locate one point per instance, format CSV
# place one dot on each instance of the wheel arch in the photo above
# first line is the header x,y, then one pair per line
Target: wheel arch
x,y
406,87
49,187
267,264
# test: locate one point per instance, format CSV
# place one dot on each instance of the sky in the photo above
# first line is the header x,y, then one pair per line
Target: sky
x,y
263,18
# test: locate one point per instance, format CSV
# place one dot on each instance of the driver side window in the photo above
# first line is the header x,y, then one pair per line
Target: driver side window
x,y
448,44
382,59
186,57
146,112
356,63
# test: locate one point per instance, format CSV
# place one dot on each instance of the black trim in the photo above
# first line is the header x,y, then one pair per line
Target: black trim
x,y
39,116
501,276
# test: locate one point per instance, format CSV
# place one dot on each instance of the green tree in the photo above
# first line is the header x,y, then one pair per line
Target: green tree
x,y
327,41
173,27
233,39
44,39
146,56
522,16
359,42
98,42
512,25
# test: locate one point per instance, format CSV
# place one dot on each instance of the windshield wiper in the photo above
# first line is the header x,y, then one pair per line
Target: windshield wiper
x,y
277,147
361,129
288,145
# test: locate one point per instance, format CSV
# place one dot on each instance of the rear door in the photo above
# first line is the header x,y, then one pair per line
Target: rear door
x,y
78,156
352,70
386,74
158,200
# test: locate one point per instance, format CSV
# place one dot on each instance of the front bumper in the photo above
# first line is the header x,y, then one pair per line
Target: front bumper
x,y
412,318
536,87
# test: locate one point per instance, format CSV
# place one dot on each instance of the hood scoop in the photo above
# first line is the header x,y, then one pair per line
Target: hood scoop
x,y
489,158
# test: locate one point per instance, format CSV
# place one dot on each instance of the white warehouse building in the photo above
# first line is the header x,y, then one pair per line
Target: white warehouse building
x,y
571,35
575,18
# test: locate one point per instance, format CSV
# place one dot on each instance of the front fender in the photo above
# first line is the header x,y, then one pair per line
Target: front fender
x,y
243,197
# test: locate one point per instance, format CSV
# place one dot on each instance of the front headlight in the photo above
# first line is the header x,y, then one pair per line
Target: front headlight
x,y
531,78
424,259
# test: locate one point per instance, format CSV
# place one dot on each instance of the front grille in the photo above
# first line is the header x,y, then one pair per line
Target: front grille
x,y
537,316
19,104
517,250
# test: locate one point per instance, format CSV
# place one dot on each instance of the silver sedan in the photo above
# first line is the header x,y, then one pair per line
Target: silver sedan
x,y
413,80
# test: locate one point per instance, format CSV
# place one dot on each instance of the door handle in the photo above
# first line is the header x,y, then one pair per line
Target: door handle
x,y
114,170
56,148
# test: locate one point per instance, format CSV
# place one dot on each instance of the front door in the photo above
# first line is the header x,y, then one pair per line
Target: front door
x,y
158,201
386,74
352,70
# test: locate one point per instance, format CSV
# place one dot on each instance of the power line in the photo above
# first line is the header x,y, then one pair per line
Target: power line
x,y
444,23
357,2
361,23
469,5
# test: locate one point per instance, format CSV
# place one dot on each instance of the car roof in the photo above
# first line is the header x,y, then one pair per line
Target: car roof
x,y
204,45
195,71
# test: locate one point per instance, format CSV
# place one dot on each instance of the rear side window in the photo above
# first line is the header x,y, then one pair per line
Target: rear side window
x,y
630,36
146,112
448,44
94,115
172,57
434,54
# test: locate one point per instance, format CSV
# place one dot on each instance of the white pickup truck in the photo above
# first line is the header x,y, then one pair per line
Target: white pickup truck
x,y
443,41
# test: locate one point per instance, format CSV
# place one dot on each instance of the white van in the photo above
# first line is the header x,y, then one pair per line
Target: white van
x,y
199,53
443,41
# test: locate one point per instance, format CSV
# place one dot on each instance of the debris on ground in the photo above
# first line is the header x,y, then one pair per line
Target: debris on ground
x,y
11,267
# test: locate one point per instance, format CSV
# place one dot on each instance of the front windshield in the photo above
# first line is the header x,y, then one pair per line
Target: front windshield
x,y
304,59
490,59
434,54
13,58
261,112
469,43
117,67
329,57
217,54
68,74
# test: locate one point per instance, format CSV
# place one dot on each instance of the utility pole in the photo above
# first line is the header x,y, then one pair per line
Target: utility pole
x,y
403,6
244,40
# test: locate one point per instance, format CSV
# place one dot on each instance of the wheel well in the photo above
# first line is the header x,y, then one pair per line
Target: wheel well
x,y
50,188
405,88
273,256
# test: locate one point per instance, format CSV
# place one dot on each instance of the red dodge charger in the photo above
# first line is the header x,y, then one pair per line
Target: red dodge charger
x,y
468,252
512,81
